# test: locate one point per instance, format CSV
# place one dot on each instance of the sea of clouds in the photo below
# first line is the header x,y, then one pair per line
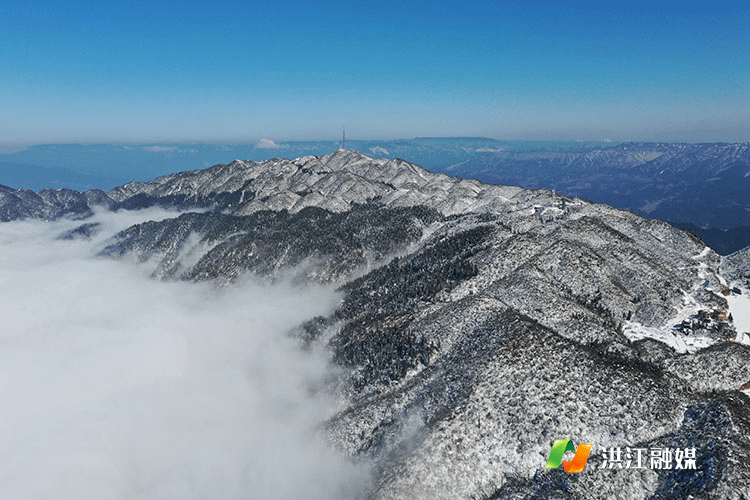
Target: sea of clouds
x,y
114,385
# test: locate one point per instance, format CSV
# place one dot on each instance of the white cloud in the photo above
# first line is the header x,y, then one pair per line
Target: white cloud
x,y
161,149
379,150
169,149
116,386
268,144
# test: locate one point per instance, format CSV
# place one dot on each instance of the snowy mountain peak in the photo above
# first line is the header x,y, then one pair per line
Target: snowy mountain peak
x,y
334,182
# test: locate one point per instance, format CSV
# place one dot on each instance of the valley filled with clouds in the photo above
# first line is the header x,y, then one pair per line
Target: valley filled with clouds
x,y
119,386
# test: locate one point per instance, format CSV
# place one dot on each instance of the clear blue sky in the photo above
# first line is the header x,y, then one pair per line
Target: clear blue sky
x,y
239,71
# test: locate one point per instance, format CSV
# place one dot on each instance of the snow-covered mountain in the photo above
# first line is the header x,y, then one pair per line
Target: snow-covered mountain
x,y
334,182
479,323
699,187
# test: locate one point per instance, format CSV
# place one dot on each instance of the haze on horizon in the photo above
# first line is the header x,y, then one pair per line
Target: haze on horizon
x,y
240,72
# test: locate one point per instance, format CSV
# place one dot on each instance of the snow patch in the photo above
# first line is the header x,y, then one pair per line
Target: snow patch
x,y
680,343
739,307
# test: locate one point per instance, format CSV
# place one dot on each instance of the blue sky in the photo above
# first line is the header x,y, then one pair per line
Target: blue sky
x,y
239,71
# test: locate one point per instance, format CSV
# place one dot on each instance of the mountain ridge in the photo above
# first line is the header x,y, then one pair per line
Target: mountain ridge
x,y
478,323
703,185
698,186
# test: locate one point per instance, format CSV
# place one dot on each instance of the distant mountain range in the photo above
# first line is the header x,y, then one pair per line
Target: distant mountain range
x,y
479,323
699,187
103,166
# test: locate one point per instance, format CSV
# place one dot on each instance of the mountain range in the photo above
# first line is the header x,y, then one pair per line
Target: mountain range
x,y
698,187
479,323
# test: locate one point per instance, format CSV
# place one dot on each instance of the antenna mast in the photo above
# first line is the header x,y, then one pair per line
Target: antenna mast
x,y
343,142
